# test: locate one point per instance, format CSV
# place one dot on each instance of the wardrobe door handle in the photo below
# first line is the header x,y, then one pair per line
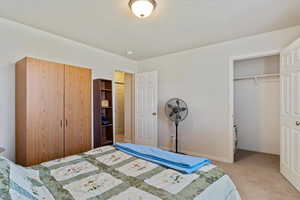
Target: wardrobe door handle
x,y
61,123
66,122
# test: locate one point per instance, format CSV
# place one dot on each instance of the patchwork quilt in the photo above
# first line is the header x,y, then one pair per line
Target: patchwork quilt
x,y
108,174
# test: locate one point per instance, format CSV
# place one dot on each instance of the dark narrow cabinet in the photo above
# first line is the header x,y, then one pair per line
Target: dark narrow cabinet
x,y
103,113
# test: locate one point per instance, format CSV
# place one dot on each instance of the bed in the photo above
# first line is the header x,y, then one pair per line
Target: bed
x,y
107,173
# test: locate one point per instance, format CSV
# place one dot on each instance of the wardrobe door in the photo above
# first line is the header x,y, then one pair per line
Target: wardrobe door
x,y
45,111
77,110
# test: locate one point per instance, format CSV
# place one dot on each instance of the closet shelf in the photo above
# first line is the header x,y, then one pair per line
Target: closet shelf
x,y
120,83
255,77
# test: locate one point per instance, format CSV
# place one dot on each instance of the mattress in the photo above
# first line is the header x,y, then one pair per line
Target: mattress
x,y
106,173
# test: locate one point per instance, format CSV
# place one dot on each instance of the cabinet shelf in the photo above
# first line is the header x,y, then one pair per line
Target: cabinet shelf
x,y
107,142
106,90
107,125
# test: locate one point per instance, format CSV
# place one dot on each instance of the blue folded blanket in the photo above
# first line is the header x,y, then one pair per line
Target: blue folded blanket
x,y
183,163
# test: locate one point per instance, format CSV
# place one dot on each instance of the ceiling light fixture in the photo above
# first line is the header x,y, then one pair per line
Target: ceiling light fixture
x,y
142,8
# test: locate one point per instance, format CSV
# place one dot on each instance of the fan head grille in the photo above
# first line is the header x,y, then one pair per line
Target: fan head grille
x,y
176,110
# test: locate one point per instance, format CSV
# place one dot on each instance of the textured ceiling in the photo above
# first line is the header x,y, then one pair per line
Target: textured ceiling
x,y
175,25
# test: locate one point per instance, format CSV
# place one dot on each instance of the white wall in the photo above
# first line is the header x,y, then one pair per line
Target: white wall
x,y
18,41
201,77
257,105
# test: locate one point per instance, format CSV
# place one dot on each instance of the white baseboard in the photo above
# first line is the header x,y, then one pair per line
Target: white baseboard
x,y
257,151
215,158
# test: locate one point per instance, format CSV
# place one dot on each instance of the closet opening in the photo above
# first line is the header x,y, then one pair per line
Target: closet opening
x,y
256,107
124,107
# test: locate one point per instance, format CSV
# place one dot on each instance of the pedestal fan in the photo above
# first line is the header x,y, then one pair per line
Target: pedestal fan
x,y
176,110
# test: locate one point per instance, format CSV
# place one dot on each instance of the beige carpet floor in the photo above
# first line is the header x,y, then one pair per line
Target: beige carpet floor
x,y
120,138
257,177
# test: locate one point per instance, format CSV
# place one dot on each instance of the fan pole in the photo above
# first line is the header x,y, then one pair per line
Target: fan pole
x,y
176,124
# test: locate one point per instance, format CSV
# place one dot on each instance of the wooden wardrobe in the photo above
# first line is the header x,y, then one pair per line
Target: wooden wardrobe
x,y
53,110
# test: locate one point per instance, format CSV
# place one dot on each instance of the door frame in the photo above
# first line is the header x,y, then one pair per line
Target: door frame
x,y
232,59
133,73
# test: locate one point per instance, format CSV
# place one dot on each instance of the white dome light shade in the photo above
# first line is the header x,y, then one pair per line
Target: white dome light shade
x,y
142,8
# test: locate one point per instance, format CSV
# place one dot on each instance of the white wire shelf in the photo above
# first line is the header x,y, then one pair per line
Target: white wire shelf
x,y
255,77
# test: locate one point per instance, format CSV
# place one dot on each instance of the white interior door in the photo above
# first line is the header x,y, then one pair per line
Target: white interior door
x,y
290,113
146,109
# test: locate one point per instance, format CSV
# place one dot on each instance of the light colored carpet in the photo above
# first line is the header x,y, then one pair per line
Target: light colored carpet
x,y
120,138
257,177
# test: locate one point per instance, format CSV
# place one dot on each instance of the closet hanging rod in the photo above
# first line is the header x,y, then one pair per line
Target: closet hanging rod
x,y
256,76
119,83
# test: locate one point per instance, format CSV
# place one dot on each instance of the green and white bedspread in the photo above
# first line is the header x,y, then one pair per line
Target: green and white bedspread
x,y
106,173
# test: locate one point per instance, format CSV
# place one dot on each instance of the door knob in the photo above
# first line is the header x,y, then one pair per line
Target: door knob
x,y
297,123
154,113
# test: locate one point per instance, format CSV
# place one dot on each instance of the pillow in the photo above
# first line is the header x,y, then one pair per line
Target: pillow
x,y
14,183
